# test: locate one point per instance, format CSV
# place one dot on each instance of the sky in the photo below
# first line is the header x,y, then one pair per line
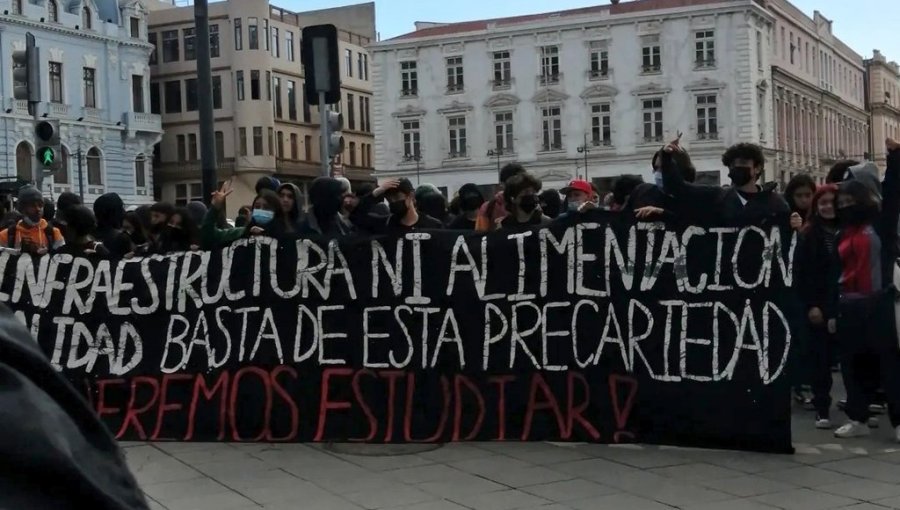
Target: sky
x,y
862,24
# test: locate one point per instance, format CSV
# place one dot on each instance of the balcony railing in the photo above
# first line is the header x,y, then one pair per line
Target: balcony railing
x,y
714,135
58,109
598,74
148,122
22,106
92,113
457,155
601,143
551,147
651,68
706,63
501,84
409,93
549,79
653,139
455,88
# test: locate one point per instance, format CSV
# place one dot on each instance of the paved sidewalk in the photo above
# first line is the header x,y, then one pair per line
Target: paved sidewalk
x,y
859,474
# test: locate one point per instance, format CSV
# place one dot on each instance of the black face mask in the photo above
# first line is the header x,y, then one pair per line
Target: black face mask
x,y
740,175
528,203
852,215
470,202
399,208
328,207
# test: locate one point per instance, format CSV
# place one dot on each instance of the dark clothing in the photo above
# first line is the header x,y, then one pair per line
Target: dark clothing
x,y
817,266
51,436
364,218
698,204
866,325
867,338
821,350
110,212
116,242
336,227
461,223
511,224
646,195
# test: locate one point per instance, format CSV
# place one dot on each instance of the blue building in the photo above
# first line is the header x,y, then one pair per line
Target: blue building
x,y
95,76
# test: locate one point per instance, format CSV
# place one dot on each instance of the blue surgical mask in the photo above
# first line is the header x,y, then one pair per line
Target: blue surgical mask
x,y
658,178
262,217
573,205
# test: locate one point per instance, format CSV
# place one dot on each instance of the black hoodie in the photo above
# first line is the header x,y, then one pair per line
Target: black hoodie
x,y
110,212
324,217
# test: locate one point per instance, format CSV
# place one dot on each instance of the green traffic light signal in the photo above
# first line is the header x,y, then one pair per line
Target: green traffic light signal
x,y
46,156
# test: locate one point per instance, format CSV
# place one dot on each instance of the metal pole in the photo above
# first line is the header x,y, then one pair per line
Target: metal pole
x,y
418,170
323,134
205,101
498,164
80,177
585,159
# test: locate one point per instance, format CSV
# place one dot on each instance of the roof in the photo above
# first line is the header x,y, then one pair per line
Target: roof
x,y
485,24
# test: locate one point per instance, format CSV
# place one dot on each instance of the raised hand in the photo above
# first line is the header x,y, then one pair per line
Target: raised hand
x,y
891,144
218,197
385,187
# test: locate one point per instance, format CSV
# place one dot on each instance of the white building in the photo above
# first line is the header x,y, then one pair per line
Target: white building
x,y
94,78
616,80
819,94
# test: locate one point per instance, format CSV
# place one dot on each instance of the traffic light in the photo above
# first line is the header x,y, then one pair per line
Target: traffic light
x,y
333,126
26,72
46,141
321,63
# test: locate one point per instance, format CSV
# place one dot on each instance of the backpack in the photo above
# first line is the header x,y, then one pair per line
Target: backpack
x,y
11,236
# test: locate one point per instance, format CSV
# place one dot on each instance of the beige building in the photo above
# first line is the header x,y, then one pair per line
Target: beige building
x,y
819,97
883,102
263,125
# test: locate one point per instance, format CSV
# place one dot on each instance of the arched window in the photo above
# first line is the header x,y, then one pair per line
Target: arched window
x,y
85,18
140,171
94,161
62,175
24,159
53,11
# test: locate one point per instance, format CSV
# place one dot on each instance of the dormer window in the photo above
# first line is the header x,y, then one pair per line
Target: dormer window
x,y
86,18
53,11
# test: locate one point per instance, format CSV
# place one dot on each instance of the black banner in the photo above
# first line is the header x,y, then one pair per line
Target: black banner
x,y
604,331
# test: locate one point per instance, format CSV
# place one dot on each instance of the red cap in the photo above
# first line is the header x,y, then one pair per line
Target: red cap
x,y
578,185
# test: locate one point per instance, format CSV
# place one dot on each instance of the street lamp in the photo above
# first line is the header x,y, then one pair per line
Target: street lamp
x,y
417,158
585,149
496,153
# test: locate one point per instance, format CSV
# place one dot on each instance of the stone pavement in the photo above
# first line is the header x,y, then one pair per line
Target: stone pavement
x,y
859,474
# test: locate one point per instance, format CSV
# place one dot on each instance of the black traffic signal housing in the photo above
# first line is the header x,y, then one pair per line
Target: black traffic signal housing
x,y
48,148
333,127
26,72
321,61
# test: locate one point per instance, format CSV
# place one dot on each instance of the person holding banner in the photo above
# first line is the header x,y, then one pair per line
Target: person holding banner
x,y
744,201
267,218
324,218
521,198
493,211
404,217
866,249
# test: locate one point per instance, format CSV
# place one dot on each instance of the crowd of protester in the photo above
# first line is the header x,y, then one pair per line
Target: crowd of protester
x,y
845,262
